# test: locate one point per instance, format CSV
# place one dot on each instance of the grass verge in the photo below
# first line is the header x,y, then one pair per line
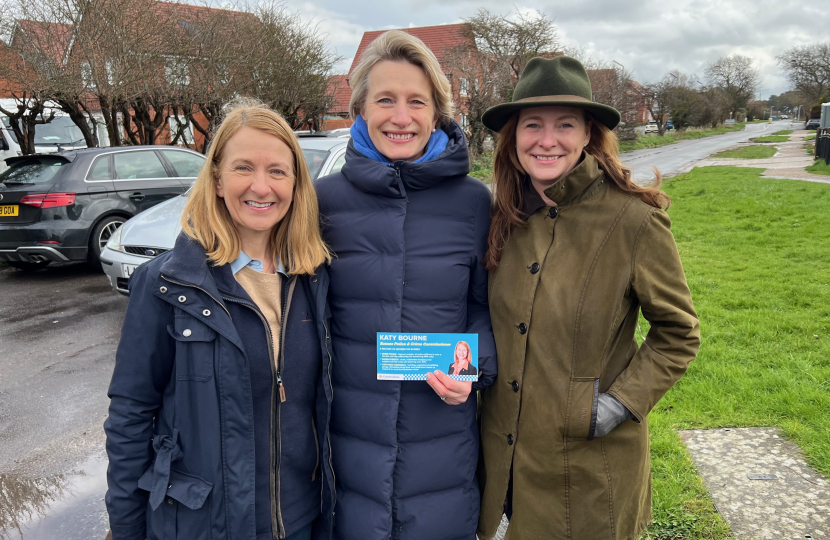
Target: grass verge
x,y
819,167
759,270
655,141
810,137
783,132
748,152
771,138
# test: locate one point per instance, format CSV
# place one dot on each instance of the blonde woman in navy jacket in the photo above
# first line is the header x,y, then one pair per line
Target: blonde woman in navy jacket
x,y
218,424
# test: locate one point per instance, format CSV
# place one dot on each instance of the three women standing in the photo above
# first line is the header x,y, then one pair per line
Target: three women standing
x,y
409,229
576,250
221,393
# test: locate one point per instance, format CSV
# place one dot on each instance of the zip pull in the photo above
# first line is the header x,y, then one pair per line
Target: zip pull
x,y
281,387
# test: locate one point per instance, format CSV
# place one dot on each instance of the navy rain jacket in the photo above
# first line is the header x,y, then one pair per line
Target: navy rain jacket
x,y
409,240
180,432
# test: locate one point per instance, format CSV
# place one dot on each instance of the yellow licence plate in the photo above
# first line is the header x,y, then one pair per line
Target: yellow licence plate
x,y
8,210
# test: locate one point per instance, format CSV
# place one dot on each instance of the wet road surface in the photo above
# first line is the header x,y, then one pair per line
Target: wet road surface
x,y
680,157
59,328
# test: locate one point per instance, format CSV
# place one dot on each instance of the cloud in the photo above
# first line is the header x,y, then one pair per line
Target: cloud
x,y
650,37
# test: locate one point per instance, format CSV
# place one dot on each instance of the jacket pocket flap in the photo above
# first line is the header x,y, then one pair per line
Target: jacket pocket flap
x,y
189,490
190,330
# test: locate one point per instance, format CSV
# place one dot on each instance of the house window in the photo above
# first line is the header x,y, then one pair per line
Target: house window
x,y
176,71
187,135
86,76
110,73
464,86
462,120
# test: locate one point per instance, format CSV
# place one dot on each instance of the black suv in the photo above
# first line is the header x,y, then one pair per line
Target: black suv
x,y
64,207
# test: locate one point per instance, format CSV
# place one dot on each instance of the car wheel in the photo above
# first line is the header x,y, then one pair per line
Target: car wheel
x,y
28,265
100,236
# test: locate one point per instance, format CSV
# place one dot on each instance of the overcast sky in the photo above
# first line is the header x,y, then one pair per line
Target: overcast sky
x,y
649,37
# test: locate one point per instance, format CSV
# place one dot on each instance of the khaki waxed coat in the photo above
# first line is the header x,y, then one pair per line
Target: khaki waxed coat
x,y
564,303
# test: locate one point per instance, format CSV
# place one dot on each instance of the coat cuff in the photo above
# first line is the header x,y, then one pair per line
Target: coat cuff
x,y
137,531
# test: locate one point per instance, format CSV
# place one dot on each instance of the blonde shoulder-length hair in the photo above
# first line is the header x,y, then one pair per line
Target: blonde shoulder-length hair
x,y
398,46
466,346
295,239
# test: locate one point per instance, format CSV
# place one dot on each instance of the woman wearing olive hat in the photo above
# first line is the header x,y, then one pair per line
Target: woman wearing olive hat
x,y
576,250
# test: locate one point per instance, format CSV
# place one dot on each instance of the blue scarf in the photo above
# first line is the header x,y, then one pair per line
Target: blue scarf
x,y
360,138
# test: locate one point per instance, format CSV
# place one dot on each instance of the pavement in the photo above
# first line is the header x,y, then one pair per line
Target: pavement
x,y
761,484
788,163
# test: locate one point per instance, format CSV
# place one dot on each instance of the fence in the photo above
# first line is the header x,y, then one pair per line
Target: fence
x,y
823,145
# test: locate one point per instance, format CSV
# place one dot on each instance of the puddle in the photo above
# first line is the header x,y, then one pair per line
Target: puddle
x,y
68,506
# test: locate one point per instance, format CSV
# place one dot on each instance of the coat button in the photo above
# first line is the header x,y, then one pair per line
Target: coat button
x,y
534,268
522,328
182,299
553,212
186,332
169,501
515,386
206,313
510,439
162,289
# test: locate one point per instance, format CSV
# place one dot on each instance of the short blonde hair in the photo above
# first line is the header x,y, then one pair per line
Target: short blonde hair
x,y
295,240
398,46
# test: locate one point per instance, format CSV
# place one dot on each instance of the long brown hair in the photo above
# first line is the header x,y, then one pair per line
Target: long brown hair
x,y
296,239
509,176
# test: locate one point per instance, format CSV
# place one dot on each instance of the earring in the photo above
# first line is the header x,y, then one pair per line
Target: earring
x,y
584,145
433,130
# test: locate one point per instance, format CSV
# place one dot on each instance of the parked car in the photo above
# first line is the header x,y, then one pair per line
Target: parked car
x,y
652,127
784,117
154,232
64,207
812,123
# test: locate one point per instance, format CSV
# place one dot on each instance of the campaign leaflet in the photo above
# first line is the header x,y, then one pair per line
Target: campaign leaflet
x,y
409,356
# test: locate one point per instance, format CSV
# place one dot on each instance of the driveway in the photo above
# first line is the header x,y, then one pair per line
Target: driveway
x,y
59,328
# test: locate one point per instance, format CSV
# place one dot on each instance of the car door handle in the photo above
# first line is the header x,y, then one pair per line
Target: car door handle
x,y
137,196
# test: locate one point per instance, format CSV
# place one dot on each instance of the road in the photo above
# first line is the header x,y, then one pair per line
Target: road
x,y
59,328
681,157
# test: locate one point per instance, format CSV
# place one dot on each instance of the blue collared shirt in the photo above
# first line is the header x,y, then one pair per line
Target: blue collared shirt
x,y
245,260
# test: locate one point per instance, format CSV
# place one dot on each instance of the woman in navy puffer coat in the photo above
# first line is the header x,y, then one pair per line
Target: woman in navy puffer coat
x,y
409,230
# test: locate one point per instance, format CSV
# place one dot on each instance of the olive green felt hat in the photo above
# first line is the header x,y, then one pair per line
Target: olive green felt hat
x,y
559,81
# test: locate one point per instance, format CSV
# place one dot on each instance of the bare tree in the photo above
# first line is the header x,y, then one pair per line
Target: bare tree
x,y
514,39
808,70
486,66
736,77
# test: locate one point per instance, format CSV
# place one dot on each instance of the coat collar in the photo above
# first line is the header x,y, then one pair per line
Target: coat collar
x,y
394,180
577,185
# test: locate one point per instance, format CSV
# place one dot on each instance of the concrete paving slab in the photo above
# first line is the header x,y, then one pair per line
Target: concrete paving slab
x,y
761,484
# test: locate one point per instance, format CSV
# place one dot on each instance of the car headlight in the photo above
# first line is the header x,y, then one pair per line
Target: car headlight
x,y
114,243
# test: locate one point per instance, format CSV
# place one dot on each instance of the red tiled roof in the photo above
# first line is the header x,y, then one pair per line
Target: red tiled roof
x,y
342,94
51,38
437,38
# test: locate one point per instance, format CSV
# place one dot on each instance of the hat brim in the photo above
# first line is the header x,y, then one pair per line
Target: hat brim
x,y
496,117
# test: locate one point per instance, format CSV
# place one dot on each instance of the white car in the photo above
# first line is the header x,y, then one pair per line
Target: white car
x,y
651,127
154,231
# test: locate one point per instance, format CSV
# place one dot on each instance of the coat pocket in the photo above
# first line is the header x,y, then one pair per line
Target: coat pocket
x,y
185,512
195,342
582,408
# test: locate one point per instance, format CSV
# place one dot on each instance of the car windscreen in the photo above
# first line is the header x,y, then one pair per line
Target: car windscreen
x,y
315,160
36,170
61,130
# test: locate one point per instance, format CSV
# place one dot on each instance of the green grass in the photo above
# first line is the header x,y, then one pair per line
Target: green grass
x,y
481,167
748,152
810,137
671,137
812,130
758,267
771,138
819,167
783,132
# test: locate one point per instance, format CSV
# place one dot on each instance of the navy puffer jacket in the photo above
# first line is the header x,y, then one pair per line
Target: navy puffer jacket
x,y
409,240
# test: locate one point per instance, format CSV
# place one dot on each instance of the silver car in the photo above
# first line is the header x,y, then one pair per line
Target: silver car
x,y
154,231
